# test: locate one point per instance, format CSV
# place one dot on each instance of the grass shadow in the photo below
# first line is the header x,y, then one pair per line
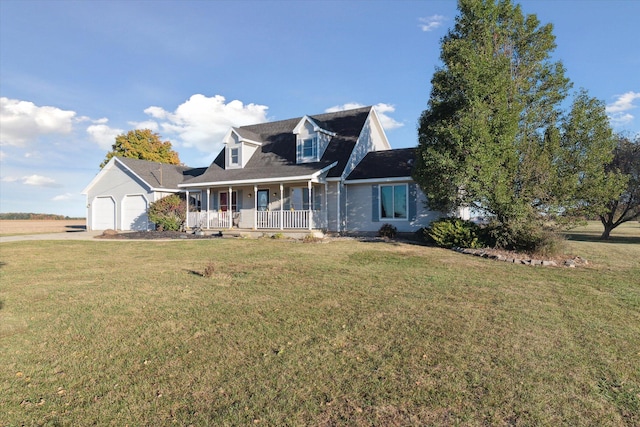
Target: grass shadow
x,y
195,273
595,238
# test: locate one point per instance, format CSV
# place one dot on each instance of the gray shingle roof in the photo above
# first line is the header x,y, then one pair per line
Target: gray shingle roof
x,y
160,175
276,157
385,164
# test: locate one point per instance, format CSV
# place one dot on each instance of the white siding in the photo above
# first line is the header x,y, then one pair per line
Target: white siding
x,y
116,183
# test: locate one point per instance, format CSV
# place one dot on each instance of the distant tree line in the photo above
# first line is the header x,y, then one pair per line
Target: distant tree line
x,y
34,216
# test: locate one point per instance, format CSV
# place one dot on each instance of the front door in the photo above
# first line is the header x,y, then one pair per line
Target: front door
x,y
263,200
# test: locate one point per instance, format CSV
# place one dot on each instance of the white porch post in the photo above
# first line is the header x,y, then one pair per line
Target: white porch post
x,y
338,213
255,207
230,207
208,204
187,220
326,205
281,206
310,206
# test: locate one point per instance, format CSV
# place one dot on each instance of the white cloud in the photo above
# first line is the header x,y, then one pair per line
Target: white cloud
x,y
22,122
63,197
430,23
3,155
39,181
618,110
148,124
103,135
202,122
382,109
624,102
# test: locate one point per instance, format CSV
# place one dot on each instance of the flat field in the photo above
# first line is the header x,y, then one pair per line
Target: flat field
x,y
338,333
17,226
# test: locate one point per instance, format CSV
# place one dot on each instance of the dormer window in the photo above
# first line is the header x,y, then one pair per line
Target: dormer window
x,y
309,148
234,156
311,140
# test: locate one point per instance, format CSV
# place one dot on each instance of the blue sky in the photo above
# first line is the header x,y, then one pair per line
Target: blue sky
x,y
74,74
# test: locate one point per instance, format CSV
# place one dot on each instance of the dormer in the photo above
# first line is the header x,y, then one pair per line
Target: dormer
x,y
240,146
311,140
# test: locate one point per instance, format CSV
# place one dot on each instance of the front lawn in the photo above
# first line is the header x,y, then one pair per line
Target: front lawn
x,y
338,333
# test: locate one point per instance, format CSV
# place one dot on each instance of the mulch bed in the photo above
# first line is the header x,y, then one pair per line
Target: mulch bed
x,y
152,235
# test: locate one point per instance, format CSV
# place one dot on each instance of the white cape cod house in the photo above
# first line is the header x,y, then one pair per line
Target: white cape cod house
x,y
332,172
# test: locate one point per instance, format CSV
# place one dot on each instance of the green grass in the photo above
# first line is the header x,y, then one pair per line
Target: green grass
x,y
339,333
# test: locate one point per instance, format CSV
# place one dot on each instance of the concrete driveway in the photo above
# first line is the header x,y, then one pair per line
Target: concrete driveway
x,y
69,235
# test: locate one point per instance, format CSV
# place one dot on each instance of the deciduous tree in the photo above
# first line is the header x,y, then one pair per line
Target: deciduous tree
x,y
626,207
142,144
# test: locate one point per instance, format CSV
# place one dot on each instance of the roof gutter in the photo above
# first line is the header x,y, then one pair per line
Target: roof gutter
x,y
313,176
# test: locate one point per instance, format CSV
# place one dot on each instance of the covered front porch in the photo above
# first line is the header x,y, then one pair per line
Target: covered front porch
x,y
290,206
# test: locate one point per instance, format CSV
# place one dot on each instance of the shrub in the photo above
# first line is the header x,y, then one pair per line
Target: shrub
x,y
450,232
530,238
311,238
168,213
388,231
209,270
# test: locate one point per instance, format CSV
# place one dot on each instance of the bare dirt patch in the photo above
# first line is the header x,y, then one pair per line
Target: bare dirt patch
x,y
19,226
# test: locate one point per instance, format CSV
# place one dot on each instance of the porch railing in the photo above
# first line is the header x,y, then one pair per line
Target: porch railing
x,y
216,219
296,219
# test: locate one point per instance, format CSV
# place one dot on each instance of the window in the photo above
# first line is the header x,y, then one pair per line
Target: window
x,y
308,149
299,198
195,201
235,156
393,201
224,201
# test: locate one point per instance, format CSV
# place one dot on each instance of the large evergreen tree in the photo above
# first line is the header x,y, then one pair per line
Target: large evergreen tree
x,y
491,136
142,144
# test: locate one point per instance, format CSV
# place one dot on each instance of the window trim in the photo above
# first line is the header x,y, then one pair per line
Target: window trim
x,y
314,148
234,194
406,202
303,191
237,156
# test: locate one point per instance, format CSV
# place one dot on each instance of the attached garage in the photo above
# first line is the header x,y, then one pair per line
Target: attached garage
x,y
134,213
119,195
104,213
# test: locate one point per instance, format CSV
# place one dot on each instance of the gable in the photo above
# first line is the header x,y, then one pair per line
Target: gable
x,y
150,175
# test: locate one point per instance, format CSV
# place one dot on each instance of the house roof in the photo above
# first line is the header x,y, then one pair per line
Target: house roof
x,y
385,164
276,157
160,175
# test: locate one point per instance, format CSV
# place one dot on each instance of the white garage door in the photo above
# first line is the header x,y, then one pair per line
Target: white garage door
x,y
103,213
134,213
